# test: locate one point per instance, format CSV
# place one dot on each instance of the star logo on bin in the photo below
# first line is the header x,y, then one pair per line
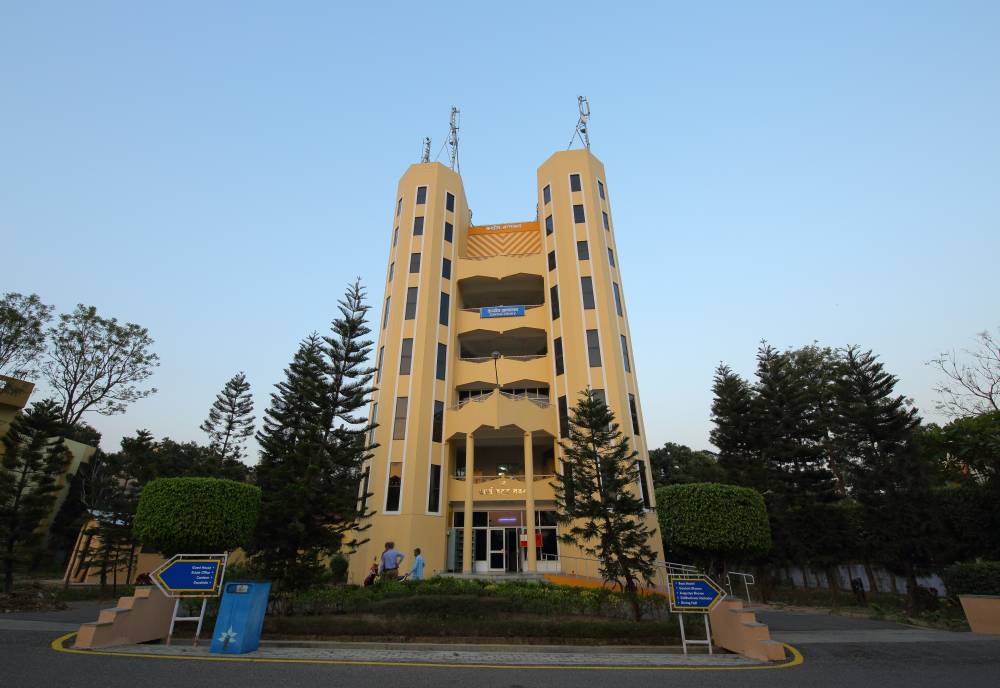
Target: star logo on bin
x,y
228,636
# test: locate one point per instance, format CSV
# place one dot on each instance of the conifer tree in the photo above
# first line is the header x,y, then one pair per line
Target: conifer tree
x,y
313,443
230,421
35,456
598,500
732,434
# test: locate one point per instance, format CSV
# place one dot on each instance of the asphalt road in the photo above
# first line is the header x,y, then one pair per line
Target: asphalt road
x,y
26,659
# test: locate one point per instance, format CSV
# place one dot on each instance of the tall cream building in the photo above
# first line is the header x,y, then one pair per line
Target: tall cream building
x,y
536,308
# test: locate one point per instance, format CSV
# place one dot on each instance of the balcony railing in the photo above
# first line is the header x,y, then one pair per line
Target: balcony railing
x,y
538,400
503,476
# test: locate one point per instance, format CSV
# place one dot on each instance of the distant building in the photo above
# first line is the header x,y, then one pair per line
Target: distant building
x,y
535,308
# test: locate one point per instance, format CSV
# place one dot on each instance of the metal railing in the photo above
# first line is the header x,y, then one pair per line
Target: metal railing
x,y
747,579
537,400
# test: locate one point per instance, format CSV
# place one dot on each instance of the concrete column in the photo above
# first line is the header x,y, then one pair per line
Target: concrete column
x,y
470,449
529,502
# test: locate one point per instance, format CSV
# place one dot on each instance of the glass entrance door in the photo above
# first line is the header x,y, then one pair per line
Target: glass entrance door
x,y
498,558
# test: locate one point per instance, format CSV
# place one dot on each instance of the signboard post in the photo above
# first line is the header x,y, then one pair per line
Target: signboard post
x,y
190,576
694,594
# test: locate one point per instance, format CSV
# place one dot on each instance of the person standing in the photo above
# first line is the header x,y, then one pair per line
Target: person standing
x,y
417,572
391,558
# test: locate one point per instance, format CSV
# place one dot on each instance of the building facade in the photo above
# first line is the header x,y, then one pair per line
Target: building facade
x,y
487,337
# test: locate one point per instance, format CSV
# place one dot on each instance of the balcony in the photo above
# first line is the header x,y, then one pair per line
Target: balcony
x,y
534,316
515,290
500,267
512,371
501,410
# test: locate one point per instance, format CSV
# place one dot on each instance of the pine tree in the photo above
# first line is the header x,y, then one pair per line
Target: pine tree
x,y
230,421
35,456
313,444
598,500
732,434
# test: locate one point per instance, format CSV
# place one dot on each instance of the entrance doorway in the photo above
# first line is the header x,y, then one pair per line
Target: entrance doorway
x,y
505,550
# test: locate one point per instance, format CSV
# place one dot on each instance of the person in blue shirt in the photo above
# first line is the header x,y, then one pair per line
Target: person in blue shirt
x,y
389,564
417,572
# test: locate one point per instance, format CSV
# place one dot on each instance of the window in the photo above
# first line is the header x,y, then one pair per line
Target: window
x,y
552,260
411,304
570,490
442,361
548,225
392,494
547,195
434,489
449,202
392,270
378,370
563,417
587,284
611,257
582,250
421,195
385,313
574,182
578,216
557,349
554,300
395,235
618,298
594,348
406,357
399,206
446,268
399,422
414,262
445,307
600,395
628,367
449,229
438,427
607,225
373,421
643,486
364,491
635,413
418,225
600,189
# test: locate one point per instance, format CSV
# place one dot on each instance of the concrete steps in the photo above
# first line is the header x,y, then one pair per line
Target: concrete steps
x,y
735,628
138,618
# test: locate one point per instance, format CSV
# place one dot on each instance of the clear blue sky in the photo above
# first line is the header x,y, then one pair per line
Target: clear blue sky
x,y
218,171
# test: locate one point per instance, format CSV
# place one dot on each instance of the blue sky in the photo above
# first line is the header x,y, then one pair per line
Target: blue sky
x,y
218,171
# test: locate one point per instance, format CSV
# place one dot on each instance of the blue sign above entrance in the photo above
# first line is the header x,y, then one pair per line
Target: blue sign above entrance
x,y
694,594
501,311
199,576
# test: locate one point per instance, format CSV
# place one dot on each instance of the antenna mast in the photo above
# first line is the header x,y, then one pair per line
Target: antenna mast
x,y
426,157
581,124
453,137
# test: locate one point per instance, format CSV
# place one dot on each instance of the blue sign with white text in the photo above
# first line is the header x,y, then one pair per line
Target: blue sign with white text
x,y
191,575
501,311
693,593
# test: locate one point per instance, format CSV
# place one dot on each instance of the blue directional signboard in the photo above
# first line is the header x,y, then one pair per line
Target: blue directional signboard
x,y
191,575
694,594
501,311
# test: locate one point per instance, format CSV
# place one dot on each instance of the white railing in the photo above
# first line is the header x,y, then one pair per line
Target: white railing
x,y
747,579
539,400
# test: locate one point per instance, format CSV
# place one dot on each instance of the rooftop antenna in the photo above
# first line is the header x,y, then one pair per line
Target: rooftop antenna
x,y
581,124
426,157
453,137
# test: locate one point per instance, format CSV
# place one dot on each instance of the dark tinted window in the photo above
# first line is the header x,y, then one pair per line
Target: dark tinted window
x,y
552,260
554,301
378,370
628,366
546,195
563,418
421,195
448,231
548,225
611,257
635,413
574,182
399,420
578,215
582,250
607,225
643,486
399,206
449,202
442,361
405,356
434,489
558,351
446,268
594,348
600,188
618,298
438,421
587,285
385,313
418,226
445,307
411,304
392,494
414,262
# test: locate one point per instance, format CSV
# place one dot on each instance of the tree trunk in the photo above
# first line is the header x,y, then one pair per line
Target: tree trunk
x,y
892,581
833,584
872,581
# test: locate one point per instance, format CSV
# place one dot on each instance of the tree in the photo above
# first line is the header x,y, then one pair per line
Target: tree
x,y
34,458
313,444
733,431
230,421
971,387
676,463
597,498
97,364
22,339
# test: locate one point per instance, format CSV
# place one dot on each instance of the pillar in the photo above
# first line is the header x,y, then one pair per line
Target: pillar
x,y
468,566
529,502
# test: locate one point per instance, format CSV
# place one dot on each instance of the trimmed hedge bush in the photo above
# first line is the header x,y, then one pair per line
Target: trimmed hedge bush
x,y
196,515
973,578
714,520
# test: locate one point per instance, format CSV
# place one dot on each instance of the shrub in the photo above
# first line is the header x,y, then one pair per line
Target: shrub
x,y
196,515
973,578
338,568
712,520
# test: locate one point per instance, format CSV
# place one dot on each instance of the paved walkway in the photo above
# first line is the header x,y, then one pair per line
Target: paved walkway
x,y
800,628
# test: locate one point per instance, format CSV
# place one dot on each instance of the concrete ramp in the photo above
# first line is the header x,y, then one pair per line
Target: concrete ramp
x,y
139,618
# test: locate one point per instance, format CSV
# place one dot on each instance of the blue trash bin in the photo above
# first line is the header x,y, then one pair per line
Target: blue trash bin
x,y
241,617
